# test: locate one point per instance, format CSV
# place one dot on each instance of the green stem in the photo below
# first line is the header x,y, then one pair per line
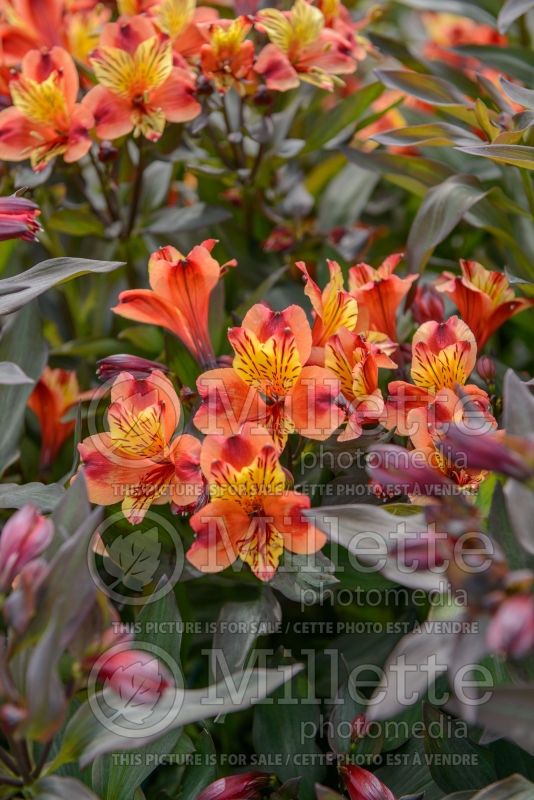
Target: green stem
x,y
136,192
529,189
111,209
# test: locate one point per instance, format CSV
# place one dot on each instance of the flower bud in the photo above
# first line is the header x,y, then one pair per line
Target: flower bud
x,y
246,786
488,451
24,537
134,673
108,368
363,785
485,367
511,629
427,305
18,218
403,471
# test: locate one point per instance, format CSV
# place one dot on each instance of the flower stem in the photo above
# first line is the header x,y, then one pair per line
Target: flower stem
x,y
136,192
529,189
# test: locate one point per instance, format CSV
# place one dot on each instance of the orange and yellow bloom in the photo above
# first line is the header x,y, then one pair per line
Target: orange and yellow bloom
x,y
45,119
268,383
356,360
301,48
251,514
138,462
334,308
484,298
228,57
139,87
178,300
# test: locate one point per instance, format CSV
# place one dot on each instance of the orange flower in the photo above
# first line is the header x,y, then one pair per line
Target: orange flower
x,y
443,357
251,515
55,392
302,49
45,120
228,57
139,88
381,291
269,384
355,361
334,308
179,297
484,298
137,461
186,26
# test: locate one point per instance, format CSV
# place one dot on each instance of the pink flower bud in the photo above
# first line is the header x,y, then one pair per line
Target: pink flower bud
x,y
485,367
18,218
246,786
511,628
24,537
428,305
108,368
487,451
402,471
134,673
363,785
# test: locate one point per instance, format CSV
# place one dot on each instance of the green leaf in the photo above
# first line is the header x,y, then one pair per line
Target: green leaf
x,y
461,8
421,172
519,94
55,787
23,345
257,618
435,134
328,126
512,10
518,155
12,375
19,290
76,222
426,87
509,712
285,732
190,218
86,738
475,768
44,496
515,61
439,213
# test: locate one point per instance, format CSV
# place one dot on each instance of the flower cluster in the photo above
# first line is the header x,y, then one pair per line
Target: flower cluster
x,y
149,64
286,378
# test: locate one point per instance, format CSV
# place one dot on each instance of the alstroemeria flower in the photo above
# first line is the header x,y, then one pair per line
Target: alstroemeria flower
x,y
181,286
251,515
301,49
334,308
139,88
381,292
228,57
186,26
484,298
18,218
56,391
45,120
138,461
355,361
443,356
268,383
